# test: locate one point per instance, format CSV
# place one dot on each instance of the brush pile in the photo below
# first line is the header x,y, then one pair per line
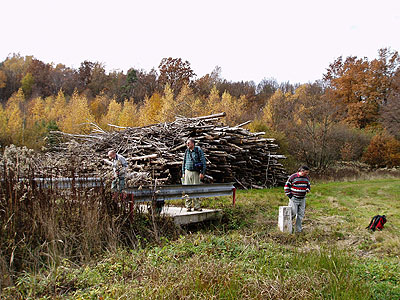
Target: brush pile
x,y
155,152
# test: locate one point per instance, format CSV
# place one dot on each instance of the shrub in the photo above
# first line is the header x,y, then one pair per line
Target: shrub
x,y
383,151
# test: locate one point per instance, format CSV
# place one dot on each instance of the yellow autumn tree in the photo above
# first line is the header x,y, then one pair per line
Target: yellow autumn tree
x,y
59,108
3,79
129,116
99,106
233,107
113,113
27,84
37,110
199,106
48,106
36,124
213,101
185,102
4,138
304,104
278,110
309,107
15,118
150,112
241,109
78,116
167,113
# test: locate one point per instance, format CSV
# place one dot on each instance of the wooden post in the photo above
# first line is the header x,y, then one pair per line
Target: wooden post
x,y
285,219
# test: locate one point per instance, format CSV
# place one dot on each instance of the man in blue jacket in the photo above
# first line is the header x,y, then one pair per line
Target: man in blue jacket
x,y
193,170
119,165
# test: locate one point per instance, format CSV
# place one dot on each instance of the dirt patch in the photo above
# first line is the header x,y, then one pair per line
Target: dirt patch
x,y
333,201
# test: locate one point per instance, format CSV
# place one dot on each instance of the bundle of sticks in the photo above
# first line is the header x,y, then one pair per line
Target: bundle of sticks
x,y
155,152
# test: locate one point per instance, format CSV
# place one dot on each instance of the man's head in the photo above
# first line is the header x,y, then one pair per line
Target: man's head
x,y
112,154
304,171
190,143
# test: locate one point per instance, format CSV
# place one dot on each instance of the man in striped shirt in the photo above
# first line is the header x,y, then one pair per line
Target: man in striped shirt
x,y
296,188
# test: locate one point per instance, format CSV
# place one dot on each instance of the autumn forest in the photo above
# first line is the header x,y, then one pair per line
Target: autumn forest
x,y
351,114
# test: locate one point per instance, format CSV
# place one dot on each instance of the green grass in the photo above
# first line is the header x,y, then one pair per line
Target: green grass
x,y
246,257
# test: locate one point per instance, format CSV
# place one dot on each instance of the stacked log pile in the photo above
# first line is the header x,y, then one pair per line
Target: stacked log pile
x,y
153,152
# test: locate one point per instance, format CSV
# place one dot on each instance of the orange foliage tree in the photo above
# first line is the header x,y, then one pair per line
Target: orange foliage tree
x,y
362,86
383,151
98,106
175,72
391,111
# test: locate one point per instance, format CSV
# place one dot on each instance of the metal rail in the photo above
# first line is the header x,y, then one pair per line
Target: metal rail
x,y
172,192
67,183
144,194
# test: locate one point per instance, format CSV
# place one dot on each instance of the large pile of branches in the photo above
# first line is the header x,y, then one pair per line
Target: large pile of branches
x,y
155,152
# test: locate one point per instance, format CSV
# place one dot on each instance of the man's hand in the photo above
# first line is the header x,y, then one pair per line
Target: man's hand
x,y
201,176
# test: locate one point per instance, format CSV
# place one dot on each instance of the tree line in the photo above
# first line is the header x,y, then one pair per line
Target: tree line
x,y
352,113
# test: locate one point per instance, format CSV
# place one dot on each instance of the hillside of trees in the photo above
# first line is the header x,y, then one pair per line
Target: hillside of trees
x,y
351,114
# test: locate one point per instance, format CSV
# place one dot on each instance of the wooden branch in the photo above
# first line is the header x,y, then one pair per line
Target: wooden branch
x,y
219,115
120,127
177,148
142,157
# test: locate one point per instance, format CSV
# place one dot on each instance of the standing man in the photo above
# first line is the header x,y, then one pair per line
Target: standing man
x,y
296,188
193,170
119,165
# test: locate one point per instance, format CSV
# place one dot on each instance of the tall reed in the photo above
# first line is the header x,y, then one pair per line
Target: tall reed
x,y
39,226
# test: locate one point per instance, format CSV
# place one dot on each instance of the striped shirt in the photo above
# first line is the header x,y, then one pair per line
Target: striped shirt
x,y
297,186
191,157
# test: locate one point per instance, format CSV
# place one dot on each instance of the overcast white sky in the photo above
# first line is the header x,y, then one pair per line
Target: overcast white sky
x,y
289,40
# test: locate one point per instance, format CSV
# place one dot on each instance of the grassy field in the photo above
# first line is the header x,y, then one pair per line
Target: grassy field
x,y
246,257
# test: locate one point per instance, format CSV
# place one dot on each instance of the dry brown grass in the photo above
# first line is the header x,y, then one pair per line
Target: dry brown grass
x,y
352,171
39,227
